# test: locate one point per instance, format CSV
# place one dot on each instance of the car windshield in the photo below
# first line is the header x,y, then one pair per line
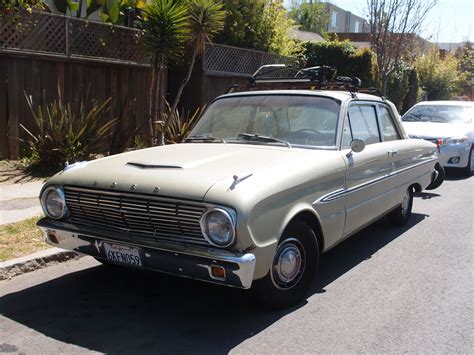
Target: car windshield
x,y
440,113
290,120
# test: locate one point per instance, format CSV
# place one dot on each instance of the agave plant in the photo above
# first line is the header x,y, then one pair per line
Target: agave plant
x,y
66,132
180,126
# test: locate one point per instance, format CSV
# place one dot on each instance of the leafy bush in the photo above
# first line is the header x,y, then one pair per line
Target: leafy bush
x,y
126,128
414,91
347,59
439,77
397,86
312,17
7,6
466,67
66,132
258,24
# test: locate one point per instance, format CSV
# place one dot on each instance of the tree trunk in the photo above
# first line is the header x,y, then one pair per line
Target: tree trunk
x,y
171,115
150,107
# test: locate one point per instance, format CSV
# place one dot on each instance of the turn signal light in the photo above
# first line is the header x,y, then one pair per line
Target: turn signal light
x,y
218,272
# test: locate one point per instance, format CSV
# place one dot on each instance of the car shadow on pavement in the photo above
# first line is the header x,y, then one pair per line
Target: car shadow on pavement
x,y
117,310
453,174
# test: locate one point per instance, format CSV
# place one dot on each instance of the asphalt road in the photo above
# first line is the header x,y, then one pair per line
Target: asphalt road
x,y
384,290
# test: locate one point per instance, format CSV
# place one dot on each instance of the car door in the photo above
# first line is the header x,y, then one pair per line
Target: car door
x,y
406,158
368,172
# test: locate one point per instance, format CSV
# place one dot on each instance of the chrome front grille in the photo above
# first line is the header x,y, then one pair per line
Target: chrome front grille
x,y
135,214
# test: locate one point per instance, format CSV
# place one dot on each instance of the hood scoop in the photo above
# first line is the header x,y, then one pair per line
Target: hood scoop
x,y
144,165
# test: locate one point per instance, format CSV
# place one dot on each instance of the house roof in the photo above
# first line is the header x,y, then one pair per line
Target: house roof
x,y
306,36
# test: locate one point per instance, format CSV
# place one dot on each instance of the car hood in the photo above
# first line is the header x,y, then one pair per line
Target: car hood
x,y
437,130
182,170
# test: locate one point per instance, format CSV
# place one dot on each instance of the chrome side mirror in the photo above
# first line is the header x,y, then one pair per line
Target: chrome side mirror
x,y
357,146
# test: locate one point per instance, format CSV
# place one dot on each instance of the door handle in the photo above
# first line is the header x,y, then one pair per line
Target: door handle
x,y
392,153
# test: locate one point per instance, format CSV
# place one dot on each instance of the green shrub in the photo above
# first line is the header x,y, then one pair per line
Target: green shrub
x,y
258,24
126,128
397,86
439,76
414,91
347,59
181,125
66,132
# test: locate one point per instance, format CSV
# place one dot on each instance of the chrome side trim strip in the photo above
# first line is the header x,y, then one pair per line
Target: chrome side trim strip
x,y
335,195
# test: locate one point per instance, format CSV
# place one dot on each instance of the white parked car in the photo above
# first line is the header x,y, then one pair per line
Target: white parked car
x,y
450,125
265,182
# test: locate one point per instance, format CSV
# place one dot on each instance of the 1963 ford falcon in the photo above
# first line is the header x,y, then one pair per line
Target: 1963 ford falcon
x,y
265,183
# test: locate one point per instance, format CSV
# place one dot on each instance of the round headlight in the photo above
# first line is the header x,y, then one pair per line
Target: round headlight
x,y
218,227
53,202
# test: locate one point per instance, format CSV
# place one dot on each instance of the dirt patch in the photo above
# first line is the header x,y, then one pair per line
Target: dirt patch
x,y
14,172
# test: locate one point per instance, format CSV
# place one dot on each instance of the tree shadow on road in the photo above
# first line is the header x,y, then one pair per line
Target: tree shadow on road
x,y
117,310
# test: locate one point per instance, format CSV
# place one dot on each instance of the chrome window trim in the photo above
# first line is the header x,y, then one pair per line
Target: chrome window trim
x,y
390,113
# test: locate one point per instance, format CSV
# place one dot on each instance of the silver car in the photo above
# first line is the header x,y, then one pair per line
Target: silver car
x,y
449,124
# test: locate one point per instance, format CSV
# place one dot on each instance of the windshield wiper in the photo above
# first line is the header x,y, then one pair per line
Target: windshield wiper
x,y
260,138
205,138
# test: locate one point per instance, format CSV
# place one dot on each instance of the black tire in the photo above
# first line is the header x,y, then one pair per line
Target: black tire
x,y
274,292
400,215
439,179
468,169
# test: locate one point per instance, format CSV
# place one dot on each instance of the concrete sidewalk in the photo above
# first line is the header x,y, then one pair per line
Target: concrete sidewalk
x,y
19,201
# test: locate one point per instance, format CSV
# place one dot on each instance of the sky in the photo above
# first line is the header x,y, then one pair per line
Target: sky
x,y
448,21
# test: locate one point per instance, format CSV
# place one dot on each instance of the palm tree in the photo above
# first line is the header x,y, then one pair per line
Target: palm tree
x,y
165,32
206,19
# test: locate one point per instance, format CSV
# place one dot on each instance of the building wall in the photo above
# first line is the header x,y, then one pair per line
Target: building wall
x,y
345,21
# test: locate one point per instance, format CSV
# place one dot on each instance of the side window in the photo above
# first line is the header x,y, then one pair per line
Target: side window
x,y
346,135
363,121
389,131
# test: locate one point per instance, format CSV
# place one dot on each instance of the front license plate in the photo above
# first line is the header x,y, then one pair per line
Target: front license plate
x,y
123,254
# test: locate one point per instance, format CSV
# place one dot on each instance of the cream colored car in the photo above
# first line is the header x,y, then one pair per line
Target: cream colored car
x,y
265,183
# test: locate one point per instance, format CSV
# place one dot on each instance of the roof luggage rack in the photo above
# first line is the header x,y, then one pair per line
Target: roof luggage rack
x,y
282,76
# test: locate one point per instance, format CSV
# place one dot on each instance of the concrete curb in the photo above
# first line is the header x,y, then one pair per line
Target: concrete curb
x,y
41,259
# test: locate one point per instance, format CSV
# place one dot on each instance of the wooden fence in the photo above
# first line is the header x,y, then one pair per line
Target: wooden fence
x,y
43,54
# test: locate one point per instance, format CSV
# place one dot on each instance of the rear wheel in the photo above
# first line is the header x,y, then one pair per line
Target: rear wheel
x,y
402,213
439,179
292,269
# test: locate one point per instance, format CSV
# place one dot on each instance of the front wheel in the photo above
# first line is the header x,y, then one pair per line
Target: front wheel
x,y
292,269
468,169
400,215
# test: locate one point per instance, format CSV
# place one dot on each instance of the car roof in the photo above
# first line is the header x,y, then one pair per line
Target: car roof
x,y
445,103
333,94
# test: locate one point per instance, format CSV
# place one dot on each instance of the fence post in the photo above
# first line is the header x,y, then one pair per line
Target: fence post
x,y
67,36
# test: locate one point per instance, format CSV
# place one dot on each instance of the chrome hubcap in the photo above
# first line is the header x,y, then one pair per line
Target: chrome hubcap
x,y
405,202
288,264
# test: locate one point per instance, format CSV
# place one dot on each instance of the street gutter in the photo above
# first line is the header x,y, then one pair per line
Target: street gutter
x,y
38,260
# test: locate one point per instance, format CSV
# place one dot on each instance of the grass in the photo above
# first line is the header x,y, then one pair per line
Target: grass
x,y
20,238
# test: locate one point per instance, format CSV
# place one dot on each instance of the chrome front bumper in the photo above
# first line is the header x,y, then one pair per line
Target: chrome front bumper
x,y
178,259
